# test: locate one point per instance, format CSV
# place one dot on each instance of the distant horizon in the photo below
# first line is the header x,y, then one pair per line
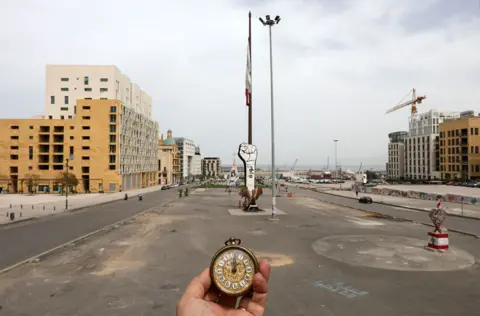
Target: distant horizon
x,y
378,167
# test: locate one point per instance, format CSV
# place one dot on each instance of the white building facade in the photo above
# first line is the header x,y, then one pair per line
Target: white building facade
x,y
197,162
65,84
186,150
396,155
421,161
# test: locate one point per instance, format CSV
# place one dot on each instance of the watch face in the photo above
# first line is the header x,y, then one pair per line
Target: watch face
x,y
233,270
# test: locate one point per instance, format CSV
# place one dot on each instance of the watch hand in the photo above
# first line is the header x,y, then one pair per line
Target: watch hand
x,y
234,268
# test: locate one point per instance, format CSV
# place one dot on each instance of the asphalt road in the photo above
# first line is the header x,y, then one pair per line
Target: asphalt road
x,y
467,225
143,267
24,240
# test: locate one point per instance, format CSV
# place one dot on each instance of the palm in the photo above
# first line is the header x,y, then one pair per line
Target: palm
x,y
206,308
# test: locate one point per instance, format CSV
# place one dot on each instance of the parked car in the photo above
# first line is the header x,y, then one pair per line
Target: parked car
x,y
365,200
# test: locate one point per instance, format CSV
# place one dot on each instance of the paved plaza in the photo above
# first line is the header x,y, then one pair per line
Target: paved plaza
x,y
326,260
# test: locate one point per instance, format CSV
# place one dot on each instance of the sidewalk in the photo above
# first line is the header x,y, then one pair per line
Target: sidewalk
x,y
56,204
451,208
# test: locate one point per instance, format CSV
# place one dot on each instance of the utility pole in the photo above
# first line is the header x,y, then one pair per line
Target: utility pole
x,y
66,188
336,166
271,23
251,79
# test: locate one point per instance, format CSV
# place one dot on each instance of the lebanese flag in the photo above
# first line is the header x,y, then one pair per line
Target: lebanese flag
x,y
248,77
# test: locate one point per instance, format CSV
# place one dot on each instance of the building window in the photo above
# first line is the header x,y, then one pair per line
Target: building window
x,y
103,79
88,89
113,149
113,118
85,80
30,137
63,109
71,152
113,128
476,130
52,99
85,157
85,117
103,98
62,117
86,107
111,167
70,117
14,137
71,137
64,89
113,109
64,79
88,98
30,127
86,127
14,157
14,147
30,167
86,137
113,138
112,158
30,152
85,147
103,89
50,117
14,127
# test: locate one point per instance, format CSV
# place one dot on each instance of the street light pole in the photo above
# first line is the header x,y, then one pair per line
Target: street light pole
x,y
336,166
271,23
66,188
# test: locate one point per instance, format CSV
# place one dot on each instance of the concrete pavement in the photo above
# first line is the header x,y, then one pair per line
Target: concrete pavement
x,y
33,206
23,240
143,267
453,223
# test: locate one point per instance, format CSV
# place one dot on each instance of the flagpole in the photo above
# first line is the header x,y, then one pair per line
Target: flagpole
x,y
251,80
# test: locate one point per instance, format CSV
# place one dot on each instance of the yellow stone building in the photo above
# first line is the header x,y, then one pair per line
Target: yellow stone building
x,y
460,149
109,147
168,160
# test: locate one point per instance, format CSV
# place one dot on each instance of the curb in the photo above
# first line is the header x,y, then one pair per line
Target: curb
x,y
396,205
399,219
74,209
72,243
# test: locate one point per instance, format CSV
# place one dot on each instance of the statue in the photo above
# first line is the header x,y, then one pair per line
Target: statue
x,y
248,154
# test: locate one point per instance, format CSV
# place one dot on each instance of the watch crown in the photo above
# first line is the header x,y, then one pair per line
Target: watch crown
x,y
233,241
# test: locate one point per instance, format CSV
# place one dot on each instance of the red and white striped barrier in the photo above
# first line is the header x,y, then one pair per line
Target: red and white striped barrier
x,y
438,241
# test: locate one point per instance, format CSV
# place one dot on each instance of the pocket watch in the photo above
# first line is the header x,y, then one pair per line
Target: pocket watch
x,y
232,269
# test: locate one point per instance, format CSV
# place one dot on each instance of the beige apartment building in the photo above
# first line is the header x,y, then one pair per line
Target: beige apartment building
x,y
109,148
65,84
168,160
211,167
460,149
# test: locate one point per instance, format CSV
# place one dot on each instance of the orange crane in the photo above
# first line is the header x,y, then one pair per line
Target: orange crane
x,y
413,102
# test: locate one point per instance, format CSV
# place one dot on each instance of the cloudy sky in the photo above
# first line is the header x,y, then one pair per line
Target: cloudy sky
x,y
338,66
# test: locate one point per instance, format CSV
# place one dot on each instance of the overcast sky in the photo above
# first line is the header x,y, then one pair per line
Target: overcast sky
x,y
338,66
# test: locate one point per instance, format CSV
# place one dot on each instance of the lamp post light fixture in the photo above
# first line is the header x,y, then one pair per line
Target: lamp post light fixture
x,y
269,22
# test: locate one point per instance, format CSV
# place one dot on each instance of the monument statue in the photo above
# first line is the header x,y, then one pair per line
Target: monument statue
x,y
248,154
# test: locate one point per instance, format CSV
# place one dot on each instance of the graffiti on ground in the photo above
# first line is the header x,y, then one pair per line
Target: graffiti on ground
x,y
341,289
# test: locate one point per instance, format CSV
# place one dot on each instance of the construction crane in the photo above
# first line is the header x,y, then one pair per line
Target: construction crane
x,y
294,165
413,102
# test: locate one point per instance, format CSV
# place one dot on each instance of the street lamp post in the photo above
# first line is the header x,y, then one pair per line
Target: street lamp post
x,y
268,22
336,166
66,188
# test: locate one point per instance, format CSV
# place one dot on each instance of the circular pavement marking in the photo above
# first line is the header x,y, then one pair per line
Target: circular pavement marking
x,y
391,253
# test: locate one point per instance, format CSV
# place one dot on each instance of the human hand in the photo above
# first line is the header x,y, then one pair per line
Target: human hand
x,y
200,300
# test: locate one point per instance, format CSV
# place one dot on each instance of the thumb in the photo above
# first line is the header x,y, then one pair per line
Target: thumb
x,y
199,286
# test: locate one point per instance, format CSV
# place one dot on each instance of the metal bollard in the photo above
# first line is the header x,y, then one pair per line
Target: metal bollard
x,y
10,205
125,197
54,208
21,214
44,207
7,214
140,198
32,206
12,216
21,206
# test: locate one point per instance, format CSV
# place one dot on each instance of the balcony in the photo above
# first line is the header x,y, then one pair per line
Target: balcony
x,y
44,130
58,139
44,139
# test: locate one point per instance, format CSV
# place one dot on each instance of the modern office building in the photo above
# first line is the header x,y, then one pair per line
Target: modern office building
x,y
186,150
65,84
197,162
459,149
168,160
396,155
211,167
421,161
109,148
